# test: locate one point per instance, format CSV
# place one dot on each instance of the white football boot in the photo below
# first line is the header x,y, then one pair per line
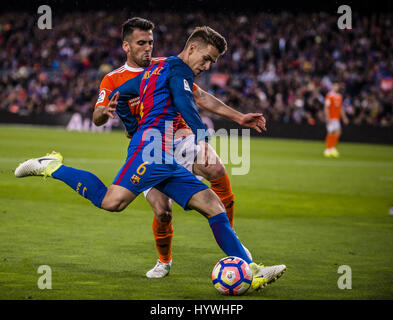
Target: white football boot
x,y
270,274
160,270
43,166
327,153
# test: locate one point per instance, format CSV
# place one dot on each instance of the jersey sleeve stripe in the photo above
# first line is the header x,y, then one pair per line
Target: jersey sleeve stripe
x,y
118,70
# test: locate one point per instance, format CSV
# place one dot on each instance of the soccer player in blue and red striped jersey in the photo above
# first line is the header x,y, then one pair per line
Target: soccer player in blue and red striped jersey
x,y
138,41
164,91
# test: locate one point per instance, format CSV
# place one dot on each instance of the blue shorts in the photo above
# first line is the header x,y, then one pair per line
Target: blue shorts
x,y
172,179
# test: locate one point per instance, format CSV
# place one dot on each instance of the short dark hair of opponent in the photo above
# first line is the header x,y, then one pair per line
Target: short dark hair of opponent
x,y
130,25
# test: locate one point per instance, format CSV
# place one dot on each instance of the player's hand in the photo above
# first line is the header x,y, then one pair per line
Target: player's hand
x,y
346,121
254,121
110,109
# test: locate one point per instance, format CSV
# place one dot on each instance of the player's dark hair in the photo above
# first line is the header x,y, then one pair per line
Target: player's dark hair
x,y
208,36
130,25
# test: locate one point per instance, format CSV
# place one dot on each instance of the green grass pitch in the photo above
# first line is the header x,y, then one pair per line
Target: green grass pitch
x,y
294,207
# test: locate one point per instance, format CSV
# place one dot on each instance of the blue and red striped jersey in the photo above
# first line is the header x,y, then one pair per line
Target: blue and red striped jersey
x,y
165,90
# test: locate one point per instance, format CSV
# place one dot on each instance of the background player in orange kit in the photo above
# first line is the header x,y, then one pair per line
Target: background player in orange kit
x,y
333,111
137,36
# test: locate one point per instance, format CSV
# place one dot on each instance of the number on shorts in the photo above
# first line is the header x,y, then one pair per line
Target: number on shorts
x,y
142,168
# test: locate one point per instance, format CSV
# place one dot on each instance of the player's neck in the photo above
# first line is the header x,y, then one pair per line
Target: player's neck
x,y
182,55
132,64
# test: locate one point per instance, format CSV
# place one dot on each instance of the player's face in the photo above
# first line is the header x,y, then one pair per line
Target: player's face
x,y
202,57
139,48
336,87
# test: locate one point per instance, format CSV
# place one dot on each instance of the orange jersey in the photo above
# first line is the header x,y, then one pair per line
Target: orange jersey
x,y
117,77
334,101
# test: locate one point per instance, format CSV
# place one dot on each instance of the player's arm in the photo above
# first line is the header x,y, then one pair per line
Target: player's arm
x,y
99,118
101,113
344,116
122,95
326,109
104,108
211,103
184,102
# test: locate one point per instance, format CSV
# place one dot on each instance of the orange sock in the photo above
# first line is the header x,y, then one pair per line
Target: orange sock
x,y
329,141
163,234
334,140
222,187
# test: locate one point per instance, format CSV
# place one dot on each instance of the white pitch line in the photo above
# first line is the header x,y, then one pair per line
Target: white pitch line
x,y
301,163
386,178
77,160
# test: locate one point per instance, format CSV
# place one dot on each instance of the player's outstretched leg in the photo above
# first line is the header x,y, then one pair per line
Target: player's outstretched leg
x,y
83,182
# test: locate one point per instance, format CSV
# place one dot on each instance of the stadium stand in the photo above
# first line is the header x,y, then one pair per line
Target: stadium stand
x,y
280,64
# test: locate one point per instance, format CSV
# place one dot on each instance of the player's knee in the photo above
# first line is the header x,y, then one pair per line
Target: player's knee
x,y
162,207
117,208
207,203
112,206
215,171
163,215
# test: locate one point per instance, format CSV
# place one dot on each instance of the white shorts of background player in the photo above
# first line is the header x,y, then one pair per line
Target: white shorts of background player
x,y
333,125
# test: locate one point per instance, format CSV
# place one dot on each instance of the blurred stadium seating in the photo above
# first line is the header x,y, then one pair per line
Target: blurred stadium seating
x,y
278,63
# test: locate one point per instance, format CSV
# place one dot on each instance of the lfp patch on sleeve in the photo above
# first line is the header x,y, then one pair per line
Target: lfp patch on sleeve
x,y
186,86
101,96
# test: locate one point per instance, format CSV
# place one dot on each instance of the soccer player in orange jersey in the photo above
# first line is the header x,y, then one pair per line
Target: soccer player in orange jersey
x,y
333,112
137,35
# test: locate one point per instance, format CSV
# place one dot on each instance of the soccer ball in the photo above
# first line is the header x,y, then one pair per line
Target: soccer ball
x,y
232,276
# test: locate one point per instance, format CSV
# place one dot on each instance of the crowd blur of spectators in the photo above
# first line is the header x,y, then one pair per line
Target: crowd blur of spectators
x,y
280,64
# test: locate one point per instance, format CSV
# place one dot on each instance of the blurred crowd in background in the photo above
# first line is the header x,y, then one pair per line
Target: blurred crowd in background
x,y
280,64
